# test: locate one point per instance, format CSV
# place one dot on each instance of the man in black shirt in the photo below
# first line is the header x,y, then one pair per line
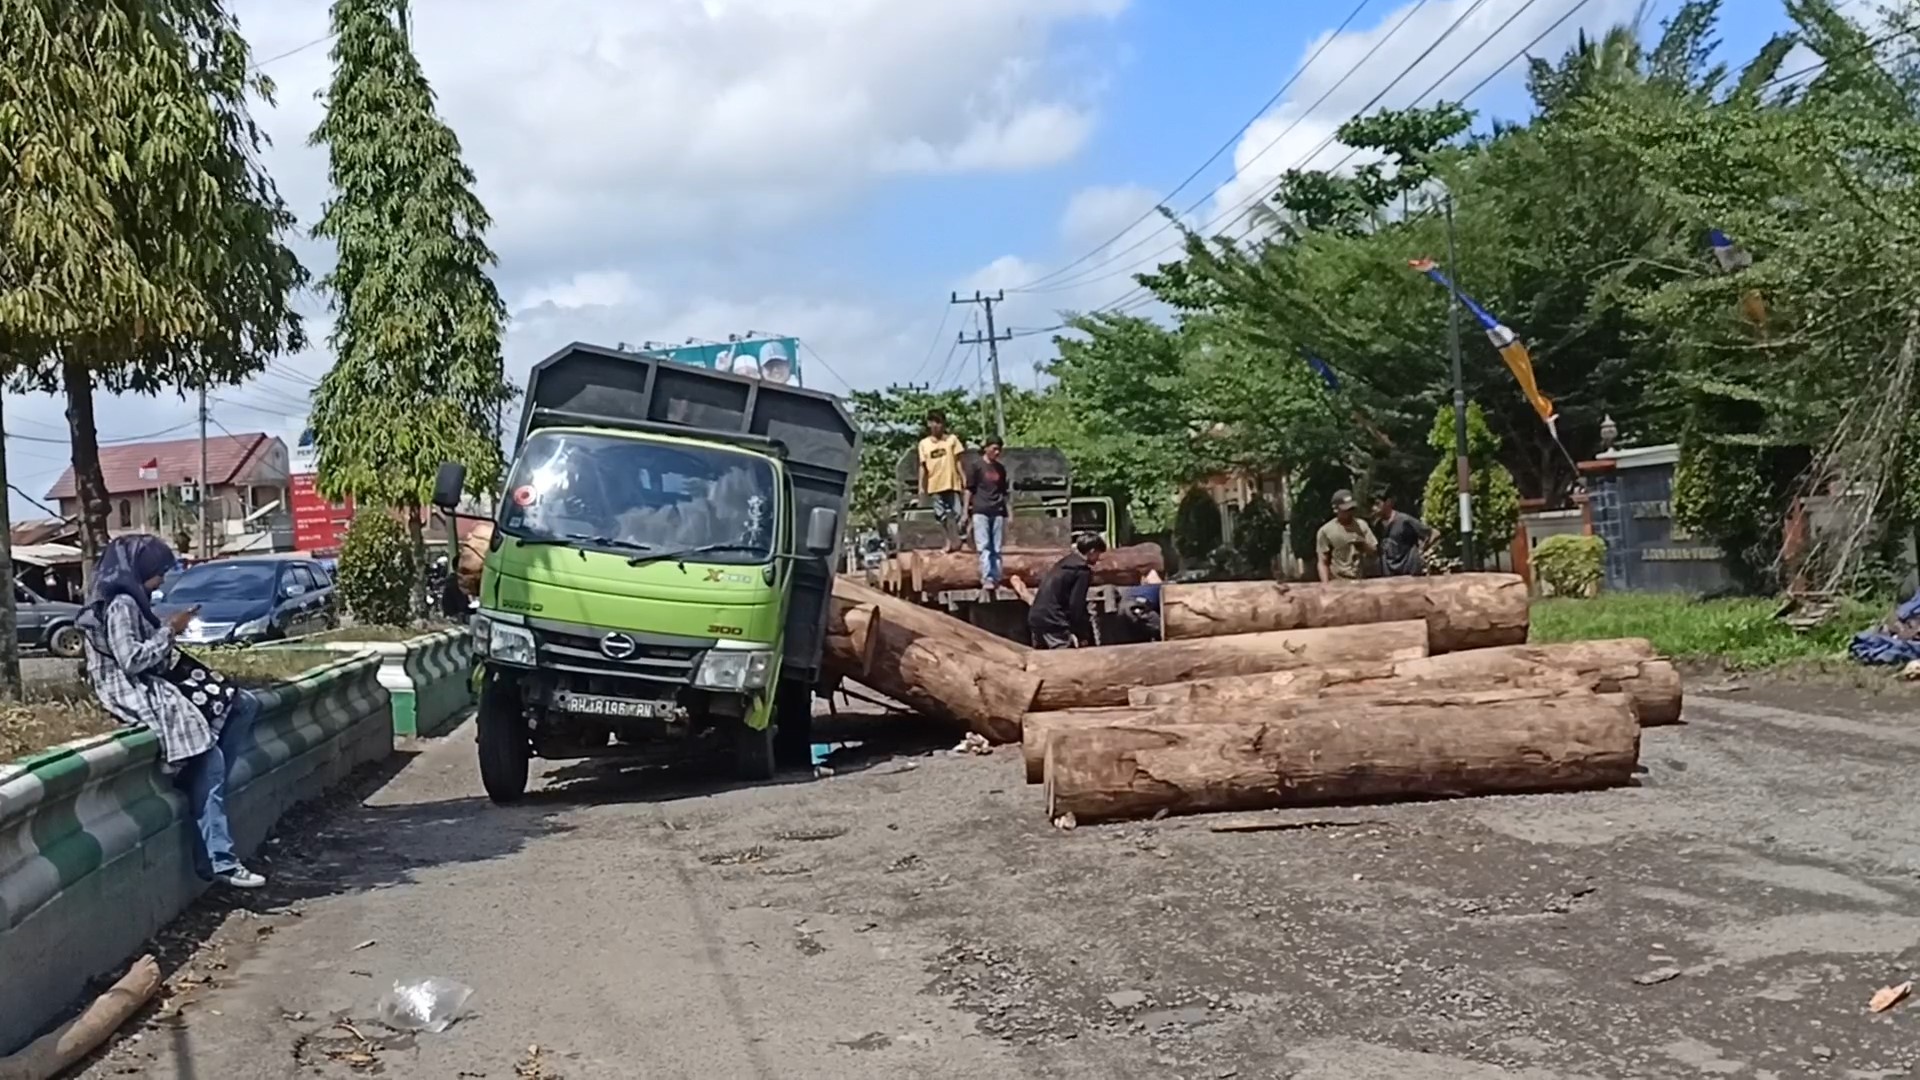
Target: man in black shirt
x,y
987,511
1403,540
1058,611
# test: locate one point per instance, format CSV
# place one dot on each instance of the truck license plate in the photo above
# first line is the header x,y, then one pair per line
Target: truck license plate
x,y
595,705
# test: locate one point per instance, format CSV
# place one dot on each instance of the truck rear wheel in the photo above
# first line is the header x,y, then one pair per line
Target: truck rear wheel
x,y
793,717
503,744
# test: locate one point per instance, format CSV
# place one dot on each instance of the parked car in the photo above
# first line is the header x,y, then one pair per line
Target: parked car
x,y
249,599
40,623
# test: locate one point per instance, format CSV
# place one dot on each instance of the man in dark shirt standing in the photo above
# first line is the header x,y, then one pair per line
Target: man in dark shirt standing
x,y
1058,611
987,511
1403,540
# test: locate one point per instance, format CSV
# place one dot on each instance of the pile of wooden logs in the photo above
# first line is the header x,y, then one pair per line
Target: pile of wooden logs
x,y
1269,695
929,572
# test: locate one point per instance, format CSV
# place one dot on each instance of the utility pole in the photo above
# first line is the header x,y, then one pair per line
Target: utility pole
x,y
10,686
1463,468
200,492
992,341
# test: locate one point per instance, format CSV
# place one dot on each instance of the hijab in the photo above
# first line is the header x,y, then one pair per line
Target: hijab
x,y
126,566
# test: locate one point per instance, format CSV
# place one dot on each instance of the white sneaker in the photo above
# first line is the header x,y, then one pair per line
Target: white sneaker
x,y
241,878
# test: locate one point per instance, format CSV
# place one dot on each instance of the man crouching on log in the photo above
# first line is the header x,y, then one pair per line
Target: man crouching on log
x,y
1057,614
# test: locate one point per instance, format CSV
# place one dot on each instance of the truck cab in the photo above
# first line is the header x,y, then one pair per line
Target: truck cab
x,y
657,579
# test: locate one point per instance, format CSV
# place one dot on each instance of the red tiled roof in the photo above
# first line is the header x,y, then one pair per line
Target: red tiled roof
x,y
179,462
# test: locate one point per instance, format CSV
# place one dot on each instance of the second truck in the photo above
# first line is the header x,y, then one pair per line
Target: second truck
x,y
661,565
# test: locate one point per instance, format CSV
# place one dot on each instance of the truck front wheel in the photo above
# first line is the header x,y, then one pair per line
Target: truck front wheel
x,y
793,717
503,744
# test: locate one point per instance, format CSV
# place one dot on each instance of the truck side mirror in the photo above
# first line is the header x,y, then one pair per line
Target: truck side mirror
x,y
822,523
448,485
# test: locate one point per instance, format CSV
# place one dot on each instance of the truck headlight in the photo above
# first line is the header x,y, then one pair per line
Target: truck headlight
x,y
510,644
479,633
734,669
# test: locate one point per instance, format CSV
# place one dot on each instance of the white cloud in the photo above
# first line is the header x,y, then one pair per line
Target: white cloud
x,y
644,163
597,124
1095,215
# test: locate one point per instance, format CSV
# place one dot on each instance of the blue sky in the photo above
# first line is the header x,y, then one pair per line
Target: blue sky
x,y
833,168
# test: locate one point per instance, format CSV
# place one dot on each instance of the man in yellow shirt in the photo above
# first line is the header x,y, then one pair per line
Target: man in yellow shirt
x,y
942,479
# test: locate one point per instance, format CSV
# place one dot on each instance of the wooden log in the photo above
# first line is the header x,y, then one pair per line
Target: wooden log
x,y
1075,678
1357,753
942,667
952,685
58,1050
1037,729
1625,665
848,651
939,571
911,618
1462,611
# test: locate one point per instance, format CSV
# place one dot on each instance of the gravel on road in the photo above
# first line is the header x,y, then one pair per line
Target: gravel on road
x,y
914,915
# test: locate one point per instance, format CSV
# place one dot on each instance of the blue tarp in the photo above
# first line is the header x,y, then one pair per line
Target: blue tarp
x,y
1890,644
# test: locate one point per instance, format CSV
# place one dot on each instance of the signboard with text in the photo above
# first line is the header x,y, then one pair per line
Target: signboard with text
x,y
776,359
319,526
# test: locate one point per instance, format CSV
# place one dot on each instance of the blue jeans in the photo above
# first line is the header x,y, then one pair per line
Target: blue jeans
x,y
989,536
204,782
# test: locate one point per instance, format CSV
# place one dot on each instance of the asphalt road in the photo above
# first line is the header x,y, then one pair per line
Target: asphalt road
x,y
915,916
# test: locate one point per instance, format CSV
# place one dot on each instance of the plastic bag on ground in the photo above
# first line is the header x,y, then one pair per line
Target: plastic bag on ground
x,y
431,1004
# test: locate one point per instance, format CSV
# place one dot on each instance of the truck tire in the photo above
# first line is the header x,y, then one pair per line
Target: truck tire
x,y
793,717
753,753
503,745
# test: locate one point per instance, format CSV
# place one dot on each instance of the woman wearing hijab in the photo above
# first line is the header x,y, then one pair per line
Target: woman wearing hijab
x,y
141,678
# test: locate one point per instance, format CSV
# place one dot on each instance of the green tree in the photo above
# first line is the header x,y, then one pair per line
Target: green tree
x,y
141,244
417,378
378,568
1496,502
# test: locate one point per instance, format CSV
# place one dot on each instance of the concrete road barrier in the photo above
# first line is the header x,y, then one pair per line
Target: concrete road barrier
x,y
96,846
427,676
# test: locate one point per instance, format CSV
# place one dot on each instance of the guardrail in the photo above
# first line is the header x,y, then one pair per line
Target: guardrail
x,y
428,676
96,844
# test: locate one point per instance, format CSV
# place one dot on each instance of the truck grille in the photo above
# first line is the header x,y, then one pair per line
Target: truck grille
x,y
581,654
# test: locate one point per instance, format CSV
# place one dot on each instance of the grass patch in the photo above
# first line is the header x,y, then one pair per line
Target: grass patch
x,y
372,633
1739,634
255,668
53,713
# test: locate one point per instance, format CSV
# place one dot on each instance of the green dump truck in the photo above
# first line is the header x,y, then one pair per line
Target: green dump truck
x,y
661,565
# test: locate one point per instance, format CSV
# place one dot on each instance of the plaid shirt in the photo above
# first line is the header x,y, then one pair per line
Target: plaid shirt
x,y
126,677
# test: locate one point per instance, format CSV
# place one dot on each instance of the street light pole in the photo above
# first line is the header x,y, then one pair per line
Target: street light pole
x,y
1462,468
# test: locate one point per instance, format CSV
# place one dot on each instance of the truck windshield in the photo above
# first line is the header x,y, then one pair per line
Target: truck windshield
x,y
640,497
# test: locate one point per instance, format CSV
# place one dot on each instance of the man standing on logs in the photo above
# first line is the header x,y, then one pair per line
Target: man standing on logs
x,y
941,479
1057,614
987,512
1403,541
1343,541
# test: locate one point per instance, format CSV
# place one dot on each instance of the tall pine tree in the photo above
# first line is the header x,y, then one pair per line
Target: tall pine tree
x,y
417,376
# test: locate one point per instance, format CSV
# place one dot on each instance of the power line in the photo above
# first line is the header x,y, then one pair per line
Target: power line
x,y
945,314
106,442
1273,142
295,51
815,353
1278,95
1245,207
